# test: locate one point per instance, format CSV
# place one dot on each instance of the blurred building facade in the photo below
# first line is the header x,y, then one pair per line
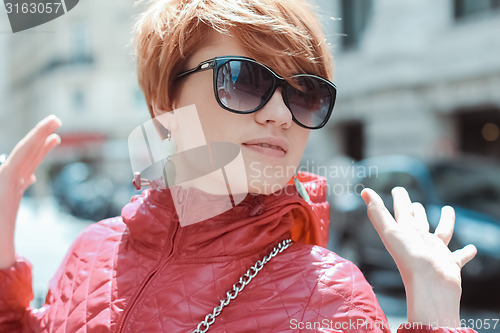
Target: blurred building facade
x,y
417,77
4,102
80,68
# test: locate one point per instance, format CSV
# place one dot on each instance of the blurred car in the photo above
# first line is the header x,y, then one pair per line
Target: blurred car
x,y
471,185
87,194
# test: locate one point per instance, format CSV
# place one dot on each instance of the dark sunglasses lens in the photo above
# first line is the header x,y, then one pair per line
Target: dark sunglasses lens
x,y
310,100
243,85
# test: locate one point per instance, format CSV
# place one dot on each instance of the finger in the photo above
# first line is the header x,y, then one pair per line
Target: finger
x,y
420,215
29,166
378,214
33,141
402,204
23,184
32,179
28,182
465,254
50,142
444,229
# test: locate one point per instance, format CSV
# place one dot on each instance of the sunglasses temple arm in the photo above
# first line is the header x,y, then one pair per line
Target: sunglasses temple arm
x,y
203,66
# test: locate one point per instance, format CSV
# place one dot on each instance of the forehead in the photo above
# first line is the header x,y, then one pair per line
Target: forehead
x,y
215,45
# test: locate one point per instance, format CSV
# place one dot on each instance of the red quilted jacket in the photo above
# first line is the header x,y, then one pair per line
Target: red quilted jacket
x,y
142,272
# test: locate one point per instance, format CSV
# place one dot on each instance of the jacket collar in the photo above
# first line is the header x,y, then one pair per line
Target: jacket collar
x,y
258,222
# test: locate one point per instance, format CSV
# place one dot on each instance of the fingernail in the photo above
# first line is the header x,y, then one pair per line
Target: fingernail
x,y
397,189
59,122
366,196
55,137
447,209
53,117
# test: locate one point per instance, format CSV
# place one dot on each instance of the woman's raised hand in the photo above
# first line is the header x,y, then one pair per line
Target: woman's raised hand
x,y
431,273
17,174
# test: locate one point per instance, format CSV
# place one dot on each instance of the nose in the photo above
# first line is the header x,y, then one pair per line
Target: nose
x,y
275,112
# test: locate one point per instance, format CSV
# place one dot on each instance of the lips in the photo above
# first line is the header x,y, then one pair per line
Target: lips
x,y
269,146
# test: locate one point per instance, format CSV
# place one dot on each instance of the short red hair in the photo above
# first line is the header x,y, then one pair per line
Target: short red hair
x,y
284,35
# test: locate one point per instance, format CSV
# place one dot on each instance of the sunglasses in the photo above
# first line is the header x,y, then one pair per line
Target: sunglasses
x,y
242,85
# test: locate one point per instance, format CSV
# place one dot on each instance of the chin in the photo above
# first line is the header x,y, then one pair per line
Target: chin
x,y
266,186
267,176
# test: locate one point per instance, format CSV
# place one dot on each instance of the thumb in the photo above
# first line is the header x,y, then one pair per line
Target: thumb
x,y
465,254
378,214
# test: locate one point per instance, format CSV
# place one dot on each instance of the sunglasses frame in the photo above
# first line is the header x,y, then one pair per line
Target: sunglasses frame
x,y
216,62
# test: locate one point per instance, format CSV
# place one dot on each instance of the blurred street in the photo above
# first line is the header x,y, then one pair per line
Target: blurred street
x,y
394,306
45,232
418,107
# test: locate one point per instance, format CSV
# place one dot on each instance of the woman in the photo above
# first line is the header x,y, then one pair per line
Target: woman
x,y
147,271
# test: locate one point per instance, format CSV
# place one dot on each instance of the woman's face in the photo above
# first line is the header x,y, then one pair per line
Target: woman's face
x,y
271,143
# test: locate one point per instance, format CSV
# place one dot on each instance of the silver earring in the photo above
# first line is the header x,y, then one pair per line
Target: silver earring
x,y
169,148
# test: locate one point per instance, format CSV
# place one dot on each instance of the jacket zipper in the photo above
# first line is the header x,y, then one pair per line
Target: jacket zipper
x,y
150,277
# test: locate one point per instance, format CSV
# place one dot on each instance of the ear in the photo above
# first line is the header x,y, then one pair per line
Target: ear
x,y
164,120
174,104
157,111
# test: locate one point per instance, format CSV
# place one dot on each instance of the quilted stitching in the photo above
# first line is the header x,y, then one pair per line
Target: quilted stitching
x,y
112,260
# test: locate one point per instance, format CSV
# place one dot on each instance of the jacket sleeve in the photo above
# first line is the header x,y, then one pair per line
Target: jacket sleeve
x,y
16,316
15,295
343,301
414,328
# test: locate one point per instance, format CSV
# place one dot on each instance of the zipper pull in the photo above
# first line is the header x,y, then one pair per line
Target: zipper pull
x,y
258,208
301,189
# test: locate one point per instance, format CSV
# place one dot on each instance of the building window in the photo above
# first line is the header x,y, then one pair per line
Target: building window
x,y
465,8
80,45
355,14
78,100
479,132
78,53
353,140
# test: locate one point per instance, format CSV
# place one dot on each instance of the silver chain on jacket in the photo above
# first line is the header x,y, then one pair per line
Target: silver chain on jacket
x,y
238,286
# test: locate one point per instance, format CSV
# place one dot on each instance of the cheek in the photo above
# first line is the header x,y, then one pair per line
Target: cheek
x,y
197,89
213,123
200,93
222,125
299,141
